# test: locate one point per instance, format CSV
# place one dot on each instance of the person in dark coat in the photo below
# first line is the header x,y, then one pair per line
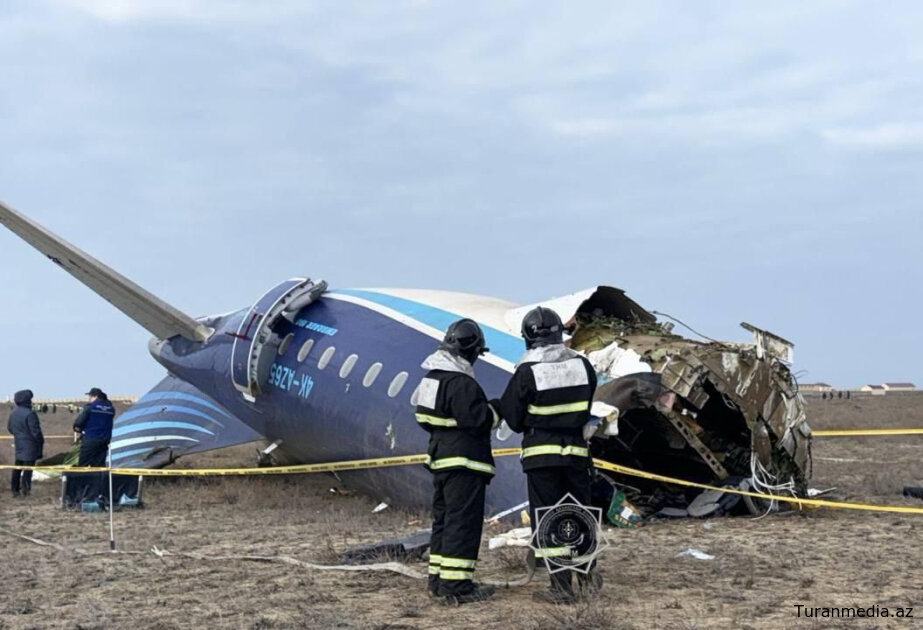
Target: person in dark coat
x,y
29,442
95,426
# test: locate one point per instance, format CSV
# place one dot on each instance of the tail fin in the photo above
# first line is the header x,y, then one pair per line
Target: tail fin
x,y
161,319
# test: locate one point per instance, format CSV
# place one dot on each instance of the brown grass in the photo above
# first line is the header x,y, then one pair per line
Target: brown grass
x,y
761,569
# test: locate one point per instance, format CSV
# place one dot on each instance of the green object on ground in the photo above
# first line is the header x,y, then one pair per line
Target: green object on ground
x,y
621,513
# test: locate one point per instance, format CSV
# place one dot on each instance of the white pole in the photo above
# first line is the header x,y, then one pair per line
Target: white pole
x,y
111,500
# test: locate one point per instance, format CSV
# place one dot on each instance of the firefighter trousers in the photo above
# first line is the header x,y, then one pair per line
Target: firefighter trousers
x,y
458,519
549,485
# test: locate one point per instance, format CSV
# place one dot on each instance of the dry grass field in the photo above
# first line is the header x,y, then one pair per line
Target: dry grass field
x,y
761,570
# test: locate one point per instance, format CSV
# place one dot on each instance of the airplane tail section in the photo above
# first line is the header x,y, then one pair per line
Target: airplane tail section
x,y
172,420
154,314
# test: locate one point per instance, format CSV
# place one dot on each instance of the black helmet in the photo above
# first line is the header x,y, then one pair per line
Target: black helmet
x,y
465,339
542,327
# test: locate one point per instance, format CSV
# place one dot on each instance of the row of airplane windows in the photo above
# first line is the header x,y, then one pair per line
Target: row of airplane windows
x,y
371,375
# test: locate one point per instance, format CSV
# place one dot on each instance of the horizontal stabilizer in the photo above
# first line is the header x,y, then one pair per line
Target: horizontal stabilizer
x,y
161,319
172,420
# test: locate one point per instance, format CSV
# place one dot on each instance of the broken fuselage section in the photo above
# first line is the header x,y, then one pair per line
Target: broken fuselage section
x,y
726,414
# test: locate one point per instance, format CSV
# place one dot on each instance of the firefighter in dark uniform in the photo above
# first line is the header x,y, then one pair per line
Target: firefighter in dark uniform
x,y
452,407
548,400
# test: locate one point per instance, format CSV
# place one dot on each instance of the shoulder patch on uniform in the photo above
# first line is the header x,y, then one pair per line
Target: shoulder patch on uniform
x,y
570,373
426,393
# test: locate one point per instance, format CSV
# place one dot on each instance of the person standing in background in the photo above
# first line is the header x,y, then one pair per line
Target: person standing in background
x,y
29,442
95,426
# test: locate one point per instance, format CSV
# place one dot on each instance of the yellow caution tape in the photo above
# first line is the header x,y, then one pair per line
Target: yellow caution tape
x,y
850,432
634,472
406,460
356,464
47,437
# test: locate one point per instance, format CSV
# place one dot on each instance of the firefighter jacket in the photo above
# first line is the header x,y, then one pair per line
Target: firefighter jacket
x,y
548,401
453,408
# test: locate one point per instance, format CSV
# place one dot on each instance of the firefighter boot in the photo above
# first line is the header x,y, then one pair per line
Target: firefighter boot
x,y
560,592
477,593
590,584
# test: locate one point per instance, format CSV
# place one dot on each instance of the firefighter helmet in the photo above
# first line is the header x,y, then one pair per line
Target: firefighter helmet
x,y
465,339
542,327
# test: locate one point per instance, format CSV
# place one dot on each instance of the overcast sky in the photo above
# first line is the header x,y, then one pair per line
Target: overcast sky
x,y
722,162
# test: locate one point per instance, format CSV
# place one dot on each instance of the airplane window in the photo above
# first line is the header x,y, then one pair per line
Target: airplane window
x,y
305,350
372,374
348,365
286,343
397,384
325,358
415,396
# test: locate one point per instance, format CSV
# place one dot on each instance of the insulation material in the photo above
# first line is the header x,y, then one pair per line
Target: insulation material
x,y
615,361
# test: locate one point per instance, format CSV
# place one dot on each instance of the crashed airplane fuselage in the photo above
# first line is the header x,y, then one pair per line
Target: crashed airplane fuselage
x,y
330,375
713,412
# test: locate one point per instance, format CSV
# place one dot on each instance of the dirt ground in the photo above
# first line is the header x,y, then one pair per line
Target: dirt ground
x,y
762,568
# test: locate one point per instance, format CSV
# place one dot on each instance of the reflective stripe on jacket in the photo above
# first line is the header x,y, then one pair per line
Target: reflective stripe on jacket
x,y
452,407
549,403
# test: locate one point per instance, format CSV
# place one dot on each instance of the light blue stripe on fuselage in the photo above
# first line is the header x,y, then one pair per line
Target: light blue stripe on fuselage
x,y
135,413
504,345
144,426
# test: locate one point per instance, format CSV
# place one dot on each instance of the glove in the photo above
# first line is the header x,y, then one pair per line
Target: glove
x,y
606,421
589,429
504,431
495,409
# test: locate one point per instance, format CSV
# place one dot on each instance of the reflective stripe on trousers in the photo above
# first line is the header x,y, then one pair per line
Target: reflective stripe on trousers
x,y
435,560
456,568
458,563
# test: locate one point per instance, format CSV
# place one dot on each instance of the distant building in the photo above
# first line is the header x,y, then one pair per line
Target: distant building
x,y
899,387
874,390
815,387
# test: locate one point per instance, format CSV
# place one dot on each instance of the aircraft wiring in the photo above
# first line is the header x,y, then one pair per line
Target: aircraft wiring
x,y
690,328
